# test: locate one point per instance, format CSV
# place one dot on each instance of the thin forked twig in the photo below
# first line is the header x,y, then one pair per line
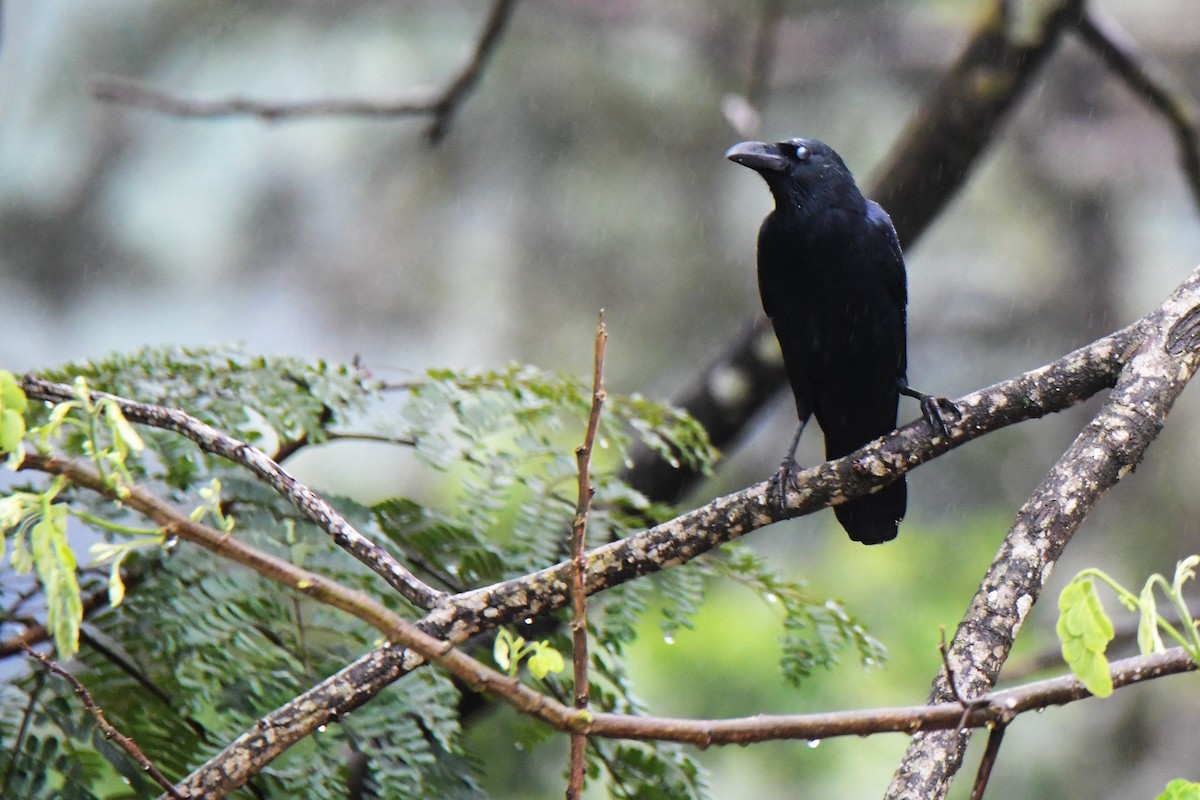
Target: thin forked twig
x,y
106,727
441,105
579,644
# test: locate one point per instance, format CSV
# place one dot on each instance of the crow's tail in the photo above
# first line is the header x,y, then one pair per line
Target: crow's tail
x,y
875,519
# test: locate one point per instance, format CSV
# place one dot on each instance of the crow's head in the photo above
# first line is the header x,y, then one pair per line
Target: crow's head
x,y
803,174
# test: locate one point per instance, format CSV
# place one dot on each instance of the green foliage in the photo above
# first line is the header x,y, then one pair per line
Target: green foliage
x,y
815,630
646,773
205,649
1180,789
1085,629
12,418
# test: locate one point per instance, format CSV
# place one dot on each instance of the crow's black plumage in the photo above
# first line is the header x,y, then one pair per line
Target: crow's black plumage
x,y
831,277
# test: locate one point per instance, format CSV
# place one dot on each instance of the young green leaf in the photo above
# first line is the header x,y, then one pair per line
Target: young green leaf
x,y
55,563
545,659
502,649
1179,789
1148,637
11,394
1085,631
12,420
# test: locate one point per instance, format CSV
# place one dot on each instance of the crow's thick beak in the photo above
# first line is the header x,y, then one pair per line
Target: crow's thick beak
x,y
758,156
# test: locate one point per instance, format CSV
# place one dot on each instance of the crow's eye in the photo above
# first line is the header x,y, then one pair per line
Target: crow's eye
x,y
801,153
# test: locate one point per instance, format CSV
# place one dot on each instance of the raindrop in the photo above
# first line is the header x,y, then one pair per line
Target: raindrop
x,y
528,620
668,638
814,743
320,729
772,597
169,543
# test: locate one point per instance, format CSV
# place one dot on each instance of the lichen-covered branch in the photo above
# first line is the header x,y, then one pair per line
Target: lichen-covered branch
x,y
1104,452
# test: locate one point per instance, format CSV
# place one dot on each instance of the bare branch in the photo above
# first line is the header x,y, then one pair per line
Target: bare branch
x,y
995,709
308,502
111,733
1108,448
441,105
129,92
1150,80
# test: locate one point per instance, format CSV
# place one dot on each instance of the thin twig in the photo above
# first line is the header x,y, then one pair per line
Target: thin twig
x,y
308,502
949,672
952,683
129,92
579,643
995,738
1150,80
125,743
440,105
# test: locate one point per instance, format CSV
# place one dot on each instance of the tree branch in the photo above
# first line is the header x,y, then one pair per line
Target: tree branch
x,y
173,523
441,105
1151,81
1104,452
308,502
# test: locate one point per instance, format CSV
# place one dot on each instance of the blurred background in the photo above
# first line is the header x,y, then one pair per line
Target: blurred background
x,y
586,171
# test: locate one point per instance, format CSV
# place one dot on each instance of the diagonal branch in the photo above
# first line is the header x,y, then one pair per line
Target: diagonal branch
x,y
310,504
441,105
1104,452
311,584
106,727
1149,79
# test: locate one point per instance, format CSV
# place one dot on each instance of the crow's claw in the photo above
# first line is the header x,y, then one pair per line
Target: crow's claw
x,y
781,481
936,411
